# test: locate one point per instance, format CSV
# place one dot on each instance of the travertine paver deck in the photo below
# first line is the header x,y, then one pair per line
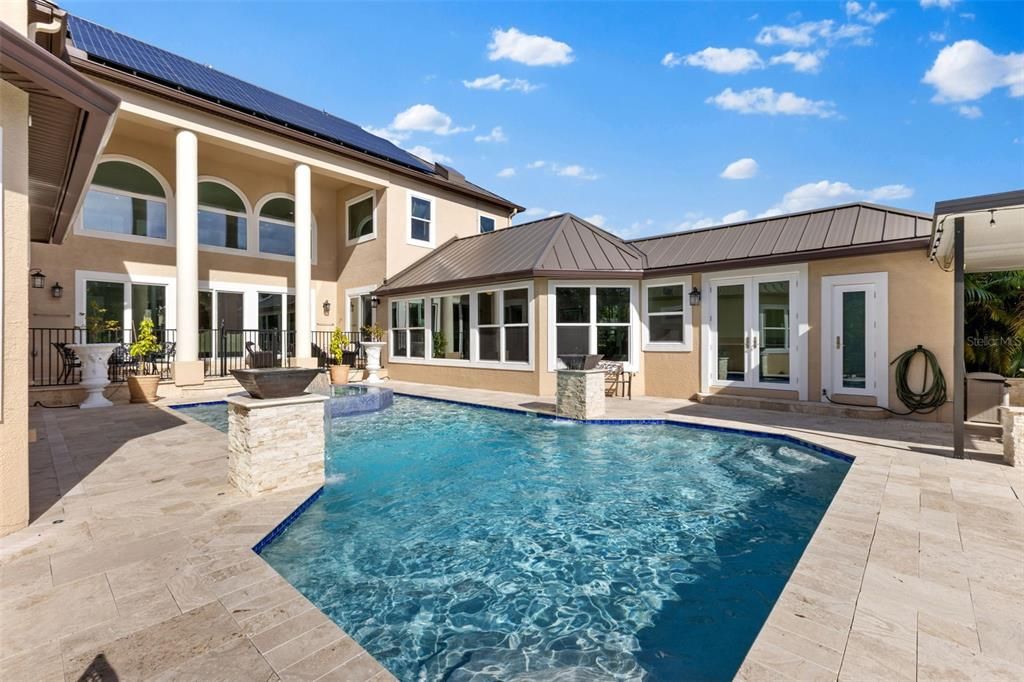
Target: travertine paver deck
x,y
917,570
137,564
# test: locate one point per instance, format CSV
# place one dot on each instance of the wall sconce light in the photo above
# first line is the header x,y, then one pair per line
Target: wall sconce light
x,y
327,308
695,296
57,290
992,219
374,301
38,278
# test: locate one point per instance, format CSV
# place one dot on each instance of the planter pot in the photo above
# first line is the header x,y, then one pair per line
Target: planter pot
x,y
94,357
339,374
143,388
373,367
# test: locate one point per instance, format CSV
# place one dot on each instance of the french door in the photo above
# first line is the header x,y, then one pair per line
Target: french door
x,y
753,331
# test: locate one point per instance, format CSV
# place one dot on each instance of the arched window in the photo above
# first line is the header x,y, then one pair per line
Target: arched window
x,y
277,227
125,199
222,216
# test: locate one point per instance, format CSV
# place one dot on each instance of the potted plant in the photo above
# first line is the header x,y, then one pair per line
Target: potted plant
x,y
440,342
142,383
374,335
94,355
339,370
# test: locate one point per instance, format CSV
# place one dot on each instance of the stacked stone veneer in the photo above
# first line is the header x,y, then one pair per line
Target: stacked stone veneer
x,y
1013,435
276,444
580,393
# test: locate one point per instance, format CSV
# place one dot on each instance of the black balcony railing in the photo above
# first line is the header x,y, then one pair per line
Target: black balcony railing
x,y
53,363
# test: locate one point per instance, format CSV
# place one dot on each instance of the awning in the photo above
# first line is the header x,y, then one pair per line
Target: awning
x,y
993,232
70,118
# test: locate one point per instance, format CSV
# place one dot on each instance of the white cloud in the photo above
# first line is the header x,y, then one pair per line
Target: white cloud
x,y
528,49
943,4
808,33
967,16
534,212
499,82
735,216
767,101
803,62
392,136
496,135
870,14
937,37
694,223
597,219
718,59
967,70
575,170
507,172
425,118
969,111
824,193
537,164
741,169
429,155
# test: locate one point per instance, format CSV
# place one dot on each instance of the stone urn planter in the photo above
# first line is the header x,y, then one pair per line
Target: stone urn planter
x,y
142,388
94,357
373,349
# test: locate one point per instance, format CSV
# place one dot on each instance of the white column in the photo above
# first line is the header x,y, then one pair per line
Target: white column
x,y
187,252
303,263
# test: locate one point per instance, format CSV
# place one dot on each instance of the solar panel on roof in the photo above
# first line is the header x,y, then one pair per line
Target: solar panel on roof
x,y
147,60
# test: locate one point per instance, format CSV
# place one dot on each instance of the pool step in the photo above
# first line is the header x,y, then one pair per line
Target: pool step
x,y
798,406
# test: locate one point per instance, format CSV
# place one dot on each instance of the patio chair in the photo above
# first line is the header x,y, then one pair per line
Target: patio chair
x,y
322,358
69,362
121,364
256,358
616,379
164,359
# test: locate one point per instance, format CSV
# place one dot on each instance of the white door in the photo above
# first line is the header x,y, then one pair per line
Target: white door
x,y
855,339
754,335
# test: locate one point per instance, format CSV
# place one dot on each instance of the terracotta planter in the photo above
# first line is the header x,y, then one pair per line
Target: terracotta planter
x,y
339,374
143,388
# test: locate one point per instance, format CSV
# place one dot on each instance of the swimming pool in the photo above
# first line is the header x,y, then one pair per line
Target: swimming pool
x,y
454,543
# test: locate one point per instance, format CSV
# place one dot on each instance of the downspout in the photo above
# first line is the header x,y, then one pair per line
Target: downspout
x,y
52,27
513,214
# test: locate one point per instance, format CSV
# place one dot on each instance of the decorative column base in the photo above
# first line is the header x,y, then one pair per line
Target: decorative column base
x,y
276,444
1013,435
188,372
580,393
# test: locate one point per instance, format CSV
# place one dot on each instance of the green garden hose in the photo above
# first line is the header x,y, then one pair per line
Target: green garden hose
x,y
932,395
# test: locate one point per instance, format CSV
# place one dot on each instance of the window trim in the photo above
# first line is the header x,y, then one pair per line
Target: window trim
x,y
474,336
424,244
257,219
167,199
480,216
170,295
668,346
372,195
633,363
247,215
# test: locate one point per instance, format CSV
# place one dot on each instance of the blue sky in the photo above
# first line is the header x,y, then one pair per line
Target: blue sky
x,y
621,113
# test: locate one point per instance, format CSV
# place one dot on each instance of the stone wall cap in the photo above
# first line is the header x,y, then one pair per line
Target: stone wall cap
x,y
247,401
596,370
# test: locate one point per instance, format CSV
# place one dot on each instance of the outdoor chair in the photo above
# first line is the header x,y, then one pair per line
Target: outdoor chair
x,y
121,364
69,362
616,379
256,358
164,359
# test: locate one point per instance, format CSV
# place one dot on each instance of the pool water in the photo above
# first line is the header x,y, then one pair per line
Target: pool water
x,y
457,543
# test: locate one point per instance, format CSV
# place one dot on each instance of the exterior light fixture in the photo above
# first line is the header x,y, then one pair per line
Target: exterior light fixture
x,y
992,219
57,290
374,301
327,308
38,278
695,296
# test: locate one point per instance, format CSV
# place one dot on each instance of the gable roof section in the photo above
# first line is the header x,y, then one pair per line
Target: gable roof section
x,y
130,58
560,246
826,232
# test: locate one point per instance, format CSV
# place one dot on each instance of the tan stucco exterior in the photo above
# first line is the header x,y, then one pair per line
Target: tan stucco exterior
x,y
14,481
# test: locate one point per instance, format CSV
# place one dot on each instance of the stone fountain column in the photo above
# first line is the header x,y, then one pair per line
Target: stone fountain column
x,y
580,393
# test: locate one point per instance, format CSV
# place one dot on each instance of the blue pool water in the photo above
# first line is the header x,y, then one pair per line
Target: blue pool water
x,y
457,543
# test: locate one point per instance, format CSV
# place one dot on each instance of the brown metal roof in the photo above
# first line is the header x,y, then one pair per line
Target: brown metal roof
x,y
560,246
825,232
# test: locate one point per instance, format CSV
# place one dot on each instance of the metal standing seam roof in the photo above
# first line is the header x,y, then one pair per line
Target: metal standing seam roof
x,y
803,234
561,245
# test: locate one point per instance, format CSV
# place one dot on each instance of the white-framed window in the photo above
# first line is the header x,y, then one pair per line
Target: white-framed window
x,y
408,328
361,218
276,227
667,315
487,224
127,199
223,215
593,318
488,327
422,219
108,300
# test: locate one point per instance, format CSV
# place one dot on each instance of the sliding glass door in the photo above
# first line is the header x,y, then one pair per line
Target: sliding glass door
x,y
751,328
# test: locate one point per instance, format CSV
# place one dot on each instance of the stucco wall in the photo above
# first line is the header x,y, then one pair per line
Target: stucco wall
x,y
14,488
676,374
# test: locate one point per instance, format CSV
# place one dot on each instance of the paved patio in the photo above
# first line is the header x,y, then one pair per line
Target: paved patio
x,y
137,561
